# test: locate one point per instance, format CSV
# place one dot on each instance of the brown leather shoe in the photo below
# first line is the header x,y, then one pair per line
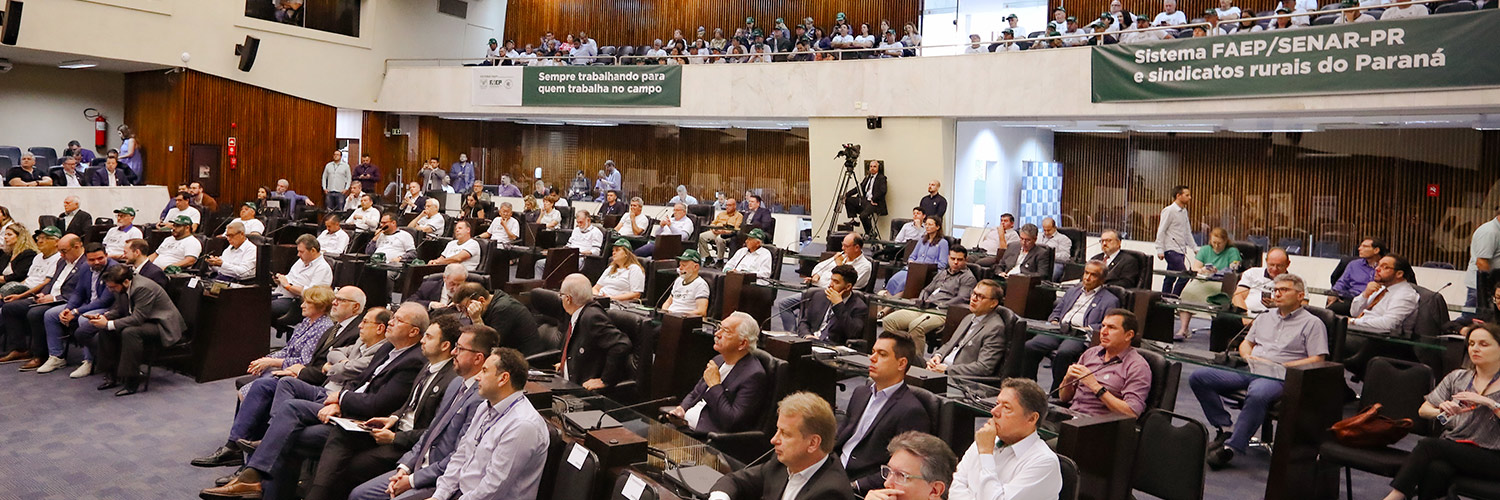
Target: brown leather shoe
x,y
235,489
15,356
32,365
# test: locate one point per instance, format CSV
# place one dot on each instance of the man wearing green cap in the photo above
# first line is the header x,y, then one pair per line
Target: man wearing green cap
x,y
493,56
182,249
751,30
247,219
115,238
689,294
1075,35
1352,16
1006,43
725,224
753,258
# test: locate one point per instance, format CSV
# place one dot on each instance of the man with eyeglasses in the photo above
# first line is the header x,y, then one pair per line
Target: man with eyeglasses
x,y
921,468
729,396
1122,272
1008,458
950,287
1286,337
978,344
1028,258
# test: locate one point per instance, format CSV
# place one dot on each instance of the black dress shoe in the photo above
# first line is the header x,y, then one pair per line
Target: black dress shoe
x,y
126,391
230,477
1219,458
248,445
225,456
109,383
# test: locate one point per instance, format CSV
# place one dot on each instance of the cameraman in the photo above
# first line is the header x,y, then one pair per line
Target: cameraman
x,y
868,203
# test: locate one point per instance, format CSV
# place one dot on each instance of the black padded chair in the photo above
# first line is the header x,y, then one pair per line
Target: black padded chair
x,y
1145,263
642,334
47,156
1250,255
12,153
745,446
1079,242
618,492
1169,458
1399,387
188,296
547,304
555,446
704,211
1459,6
573,483
1069,470
1166,375
1016,336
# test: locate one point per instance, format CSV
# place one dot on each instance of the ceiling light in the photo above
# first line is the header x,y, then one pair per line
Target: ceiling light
x,y
77,64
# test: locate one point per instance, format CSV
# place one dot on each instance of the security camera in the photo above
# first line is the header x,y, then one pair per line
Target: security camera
x,y
5,65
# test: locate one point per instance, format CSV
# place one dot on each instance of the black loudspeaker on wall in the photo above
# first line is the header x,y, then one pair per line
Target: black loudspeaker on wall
x,y
246,51
11,28
872,122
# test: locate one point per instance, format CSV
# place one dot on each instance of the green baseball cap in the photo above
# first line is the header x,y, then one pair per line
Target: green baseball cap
x,y
749,20
1348,3
52,231
839,16
494,42
691,255
125,210
1211,12
756,234
250,204
1283,10
1072,19
182,220
622,242
1012,16
1007,31
1106,17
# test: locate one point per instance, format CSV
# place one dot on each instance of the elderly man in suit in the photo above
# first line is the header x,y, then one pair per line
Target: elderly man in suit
x,y
1028,258
146,314
596,355
978,346
437,294
835,314
804,468
734,385
1082,308
880,411
1119,269
73,220
421,454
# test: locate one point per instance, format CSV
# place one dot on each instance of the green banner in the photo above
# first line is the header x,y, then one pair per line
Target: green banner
x,y
1441,51
602,86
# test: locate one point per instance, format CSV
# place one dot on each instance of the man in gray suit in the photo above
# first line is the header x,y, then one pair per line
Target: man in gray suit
x,y
1082,308
978,345
1028,258
146,315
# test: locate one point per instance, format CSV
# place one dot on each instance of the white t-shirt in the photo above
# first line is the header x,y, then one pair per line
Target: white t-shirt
x,y
252,226
1228,14
1173,19
368,219
472,246
550,219
334,243
864,40
685,297
435,221
1404,12
640,220
1259,284
306,275
114,239
191,213
394,245
621,281
498,234
586,241
41,269
173,250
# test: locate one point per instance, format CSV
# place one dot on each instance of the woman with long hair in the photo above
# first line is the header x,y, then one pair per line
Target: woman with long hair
x,y
932,248
1467,405
624,279
130,153
22,250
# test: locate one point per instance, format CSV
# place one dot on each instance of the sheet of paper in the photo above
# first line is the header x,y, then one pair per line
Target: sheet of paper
x,y
346,424
634,487
577,456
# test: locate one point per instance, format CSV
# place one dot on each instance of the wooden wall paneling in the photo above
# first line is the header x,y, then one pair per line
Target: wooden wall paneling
x,y
154,108
638,22
1342,187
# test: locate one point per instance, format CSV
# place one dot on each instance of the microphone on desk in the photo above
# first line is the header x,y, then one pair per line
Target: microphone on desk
x,y
1075,382
761,457
776,313
602,414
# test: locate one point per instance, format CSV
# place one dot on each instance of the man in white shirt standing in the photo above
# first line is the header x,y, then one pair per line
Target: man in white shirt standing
x,y
336,179
753,258
115,238
237,262
1174,239
366,217
503,450
1008,459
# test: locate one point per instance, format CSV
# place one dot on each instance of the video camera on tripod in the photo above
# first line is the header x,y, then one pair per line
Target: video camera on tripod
x,y
850,154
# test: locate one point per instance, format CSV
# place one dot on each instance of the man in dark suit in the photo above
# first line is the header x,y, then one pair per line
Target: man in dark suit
x,y
137,256
835,314
347,312
90,295
871,197
55,289
146,314
757,215
437,293
72,220
978,346
297,408
1120,270
112,174
1082,308
69,175
351,458
1028,258
805,429
595,354
729,402
879,412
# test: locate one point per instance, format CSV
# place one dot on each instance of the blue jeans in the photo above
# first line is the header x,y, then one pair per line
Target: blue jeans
x,y
897,283
1208,386
788,308
1172,285
55,330
333,200
294,406
1470,300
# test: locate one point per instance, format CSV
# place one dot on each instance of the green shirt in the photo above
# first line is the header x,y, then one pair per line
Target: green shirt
x,y
1221,260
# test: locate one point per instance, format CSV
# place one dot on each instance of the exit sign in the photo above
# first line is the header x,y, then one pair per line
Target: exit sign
x,y
1432,190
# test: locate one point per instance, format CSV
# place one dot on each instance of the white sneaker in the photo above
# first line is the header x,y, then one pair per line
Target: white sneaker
x,y
52,364
84,370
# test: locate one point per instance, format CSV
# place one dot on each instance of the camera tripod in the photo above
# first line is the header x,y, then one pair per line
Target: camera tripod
x,y
845,182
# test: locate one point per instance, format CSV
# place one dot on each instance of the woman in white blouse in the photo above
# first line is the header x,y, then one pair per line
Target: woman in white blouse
x,y
334,240
624,279
549,217
462,250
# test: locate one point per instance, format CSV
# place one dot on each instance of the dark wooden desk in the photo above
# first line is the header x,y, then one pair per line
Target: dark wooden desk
x,y
560,263
1022,297
681,353
1103,446
807,373
226,339
917,276
1309,406
741,294
411,278
668,246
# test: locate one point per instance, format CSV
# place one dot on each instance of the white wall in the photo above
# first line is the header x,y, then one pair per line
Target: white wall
x,y
331,69
915,151
988,165
43,106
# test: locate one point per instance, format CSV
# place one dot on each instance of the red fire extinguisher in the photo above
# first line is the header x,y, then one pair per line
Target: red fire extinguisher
x,y
101,127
